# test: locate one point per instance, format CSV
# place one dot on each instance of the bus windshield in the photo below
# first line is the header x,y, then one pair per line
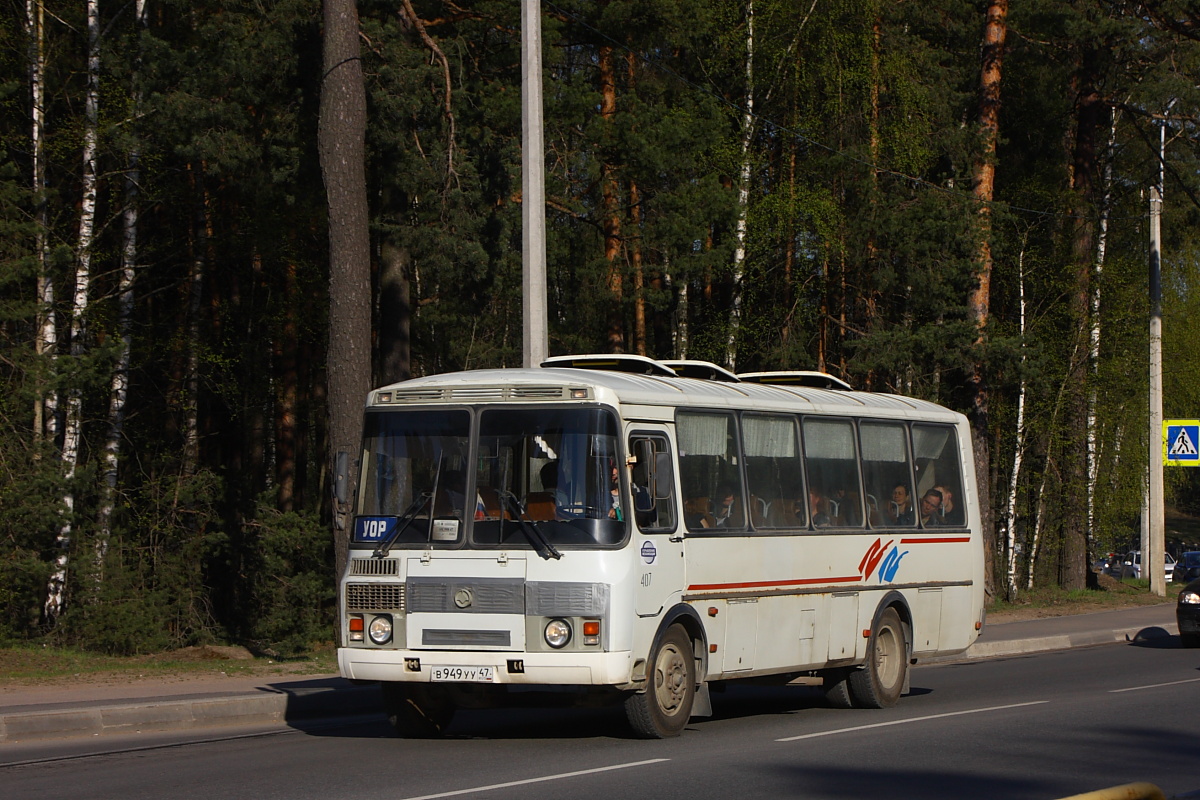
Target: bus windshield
x,y
556,468
538,477
415,463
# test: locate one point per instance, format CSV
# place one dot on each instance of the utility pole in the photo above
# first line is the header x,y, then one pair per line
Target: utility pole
x,y
535,336
1154,549
1153,556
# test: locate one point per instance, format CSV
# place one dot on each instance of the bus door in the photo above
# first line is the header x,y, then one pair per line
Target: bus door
x,y
657,531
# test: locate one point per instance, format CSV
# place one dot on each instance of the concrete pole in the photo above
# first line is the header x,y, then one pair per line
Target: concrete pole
x,y
1153,557
535,334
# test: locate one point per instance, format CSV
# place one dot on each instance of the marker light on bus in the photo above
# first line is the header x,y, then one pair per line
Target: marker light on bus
x,y
355,623
591,631
558,633
381,629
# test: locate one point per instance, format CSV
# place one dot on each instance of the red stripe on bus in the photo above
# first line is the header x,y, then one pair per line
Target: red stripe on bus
x,y
760,584
936,540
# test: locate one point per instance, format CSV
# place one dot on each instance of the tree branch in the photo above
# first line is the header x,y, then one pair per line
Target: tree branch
x,y
447,110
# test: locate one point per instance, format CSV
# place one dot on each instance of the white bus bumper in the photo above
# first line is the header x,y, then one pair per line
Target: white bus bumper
x,y
537,669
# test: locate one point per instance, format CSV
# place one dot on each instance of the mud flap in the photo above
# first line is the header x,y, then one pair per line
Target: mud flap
x,y
702,703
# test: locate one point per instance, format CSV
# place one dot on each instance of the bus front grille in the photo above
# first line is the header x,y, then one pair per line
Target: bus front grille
x,y
460,638
374,566
374,597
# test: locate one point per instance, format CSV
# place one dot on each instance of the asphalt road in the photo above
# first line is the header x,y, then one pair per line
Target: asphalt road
x,y
1038,726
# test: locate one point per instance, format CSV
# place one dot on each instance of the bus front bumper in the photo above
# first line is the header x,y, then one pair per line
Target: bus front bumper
x,y
530,669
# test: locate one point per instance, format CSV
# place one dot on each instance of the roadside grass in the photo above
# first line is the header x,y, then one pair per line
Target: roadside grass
x,y
1052,601
34,663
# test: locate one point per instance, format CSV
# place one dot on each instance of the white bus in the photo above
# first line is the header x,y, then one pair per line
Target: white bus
x,y
603,527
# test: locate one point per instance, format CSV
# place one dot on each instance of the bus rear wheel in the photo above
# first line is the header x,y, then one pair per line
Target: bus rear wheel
x,y
881,680
416,711
665,706
837,689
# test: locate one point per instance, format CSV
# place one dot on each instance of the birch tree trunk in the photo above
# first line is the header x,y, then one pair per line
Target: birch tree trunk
x,y
191,380
1010,514
679,334
119,389
45,410
73,429
1089,110
739,253
1093,455
341,139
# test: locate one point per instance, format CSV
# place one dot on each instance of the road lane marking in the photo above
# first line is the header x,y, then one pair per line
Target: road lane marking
x,y
1153,686
558,777
911,719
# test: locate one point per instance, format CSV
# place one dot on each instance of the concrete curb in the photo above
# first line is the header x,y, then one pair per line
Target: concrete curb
x,y
207,712
1042,644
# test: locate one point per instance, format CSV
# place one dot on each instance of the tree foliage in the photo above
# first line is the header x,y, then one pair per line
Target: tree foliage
x,y
861,253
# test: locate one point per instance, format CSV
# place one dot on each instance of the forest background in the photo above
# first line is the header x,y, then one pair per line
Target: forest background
x,y
944,199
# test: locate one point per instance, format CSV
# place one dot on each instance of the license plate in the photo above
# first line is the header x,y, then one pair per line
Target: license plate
x,y
463,674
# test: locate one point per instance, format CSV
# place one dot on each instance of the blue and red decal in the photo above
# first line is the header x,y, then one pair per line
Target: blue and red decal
x,y
885,557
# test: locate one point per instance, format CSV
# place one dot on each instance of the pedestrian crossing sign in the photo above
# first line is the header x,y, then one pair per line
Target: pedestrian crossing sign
x,y
1181,442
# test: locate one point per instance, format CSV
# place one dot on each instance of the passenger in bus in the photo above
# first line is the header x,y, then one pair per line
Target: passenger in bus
x,y
696,513
947,512
817,509
614,511
724,509
931,507
900,509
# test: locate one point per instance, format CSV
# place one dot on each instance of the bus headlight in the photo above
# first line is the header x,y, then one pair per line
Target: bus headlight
x,y
558,633
380,630
1189,598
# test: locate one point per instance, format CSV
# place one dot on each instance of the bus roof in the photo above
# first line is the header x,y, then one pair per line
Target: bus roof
x,y
623,388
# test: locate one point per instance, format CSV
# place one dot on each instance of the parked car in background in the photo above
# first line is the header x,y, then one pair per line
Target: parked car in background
x,y
1187,614
1187,568
1108,562
1131,565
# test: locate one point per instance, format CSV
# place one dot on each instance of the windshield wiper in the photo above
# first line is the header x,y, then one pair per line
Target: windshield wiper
x,y
530,529
403,522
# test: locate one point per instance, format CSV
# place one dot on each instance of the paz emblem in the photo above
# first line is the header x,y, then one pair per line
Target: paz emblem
x,y
463,598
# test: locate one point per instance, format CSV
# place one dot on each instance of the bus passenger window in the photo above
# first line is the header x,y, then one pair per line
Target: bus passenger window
x,y
935,455
710,475
774,472
887,474
832,464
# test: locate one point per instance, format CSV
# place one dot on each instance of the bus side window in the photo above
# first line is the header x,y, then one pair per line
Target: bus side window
x,y
653,483
774,472
935,451
888,474
833,480
710,472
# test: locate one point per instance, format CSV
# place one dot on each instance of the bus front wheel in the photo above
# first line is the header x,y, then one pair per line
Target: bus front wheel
x,y
665,706
881,680
416,711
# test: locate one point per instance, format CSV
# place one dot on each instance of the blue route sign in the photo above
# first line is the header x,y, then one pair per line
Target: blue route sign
x,y
1181,442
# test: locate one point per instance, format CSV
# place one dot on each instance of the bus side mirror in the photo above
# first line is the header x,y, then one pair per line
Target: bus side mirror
x,y
341,477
